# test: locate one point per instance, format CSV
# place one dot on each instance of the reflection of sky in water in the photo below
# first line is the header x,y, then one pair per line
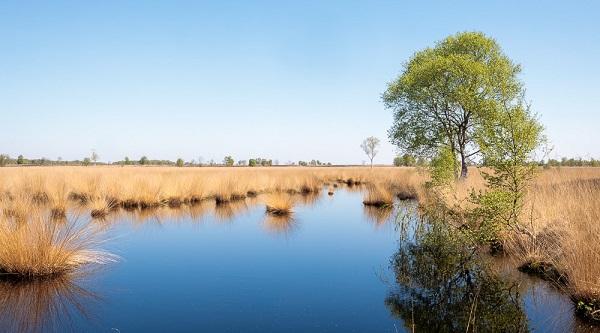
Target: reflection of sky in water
x,y
232,268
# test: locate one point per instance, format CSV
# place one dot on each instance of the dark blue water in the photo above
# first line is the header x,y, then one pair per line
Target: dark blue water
x,y
237,270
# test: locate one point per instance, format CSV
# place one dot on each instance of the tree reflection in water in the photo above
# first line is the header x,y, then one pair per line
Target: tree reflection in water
x,y
442,286
47,305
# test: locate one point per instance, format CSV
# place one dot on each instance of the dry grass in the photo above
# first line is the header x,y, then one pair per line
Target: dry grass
x,y
378,195
279,204
38,246
104,187
562,211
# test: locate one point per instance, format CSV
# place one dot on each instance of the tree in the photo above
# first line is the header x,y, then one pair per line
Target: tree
x,y
252,162
369,146
20,159
94,156
179,162
143,160
405,160
4,159
228,161
508,146
445,94
86,161
126,160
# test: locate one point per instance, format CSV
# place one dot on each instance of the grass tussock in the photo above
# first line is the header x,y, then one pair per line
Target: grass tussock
x,y
279,204
39,247
378,195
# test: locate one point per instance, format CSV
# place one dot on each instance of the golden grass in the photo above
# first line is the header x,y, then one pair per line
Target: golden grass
x,y
101,188
378,195
38,246
562,211
279,204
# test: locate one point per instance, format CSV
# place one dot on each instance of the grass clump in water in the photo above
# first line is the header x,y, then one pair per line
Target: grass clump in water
x,y
279,204
39,247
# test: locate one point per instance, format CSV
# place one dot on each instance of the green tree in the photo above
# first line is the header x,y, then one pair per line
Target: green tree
x,y
369,146
252,162
508,144
228,161
4,159
179,162
446,93
20,160
143,160
126,161
86,161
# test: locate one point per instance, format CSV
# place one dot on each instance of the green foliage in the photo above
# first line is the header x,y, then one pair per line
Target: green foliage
x,y
143,160
179,162
4,159
405,160
228,161
252,162
508,145
86,161
447,92
20,160
443,167
126,161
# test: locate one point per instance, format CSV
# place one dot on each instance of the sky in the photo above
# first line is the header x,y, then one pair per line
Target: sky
x,y
286,80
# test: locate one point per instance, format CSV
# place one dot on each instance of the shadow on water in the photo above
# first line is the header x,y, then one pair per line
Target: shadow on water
x,y
50,305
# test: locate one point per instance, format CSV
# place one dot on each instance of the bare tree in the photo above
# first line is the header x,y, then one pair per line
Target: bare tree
x,y
94,156
369,146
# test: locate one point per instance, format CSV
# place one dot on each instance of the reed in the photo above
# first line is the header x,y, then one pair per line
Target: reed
x,y
39,247
279,204
378,195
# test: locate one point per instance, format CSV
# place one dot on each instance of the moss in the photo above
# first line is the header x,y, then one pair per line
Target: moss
x,y
544,270
588,309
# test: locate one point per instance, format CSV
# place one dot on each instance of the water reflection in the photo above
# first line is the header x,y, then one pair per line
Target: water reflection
x,y
378,215
226,212
43,305
442,287
280,224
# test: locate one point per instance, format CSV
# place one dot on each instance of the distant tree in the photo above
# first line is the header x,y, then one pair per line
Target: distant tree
x,y
4,159
179,162
228,161
405,160
20,159
86,161
143,160
242,162
397,161
200,160
302,163
252,162
369,146
126,160
94,156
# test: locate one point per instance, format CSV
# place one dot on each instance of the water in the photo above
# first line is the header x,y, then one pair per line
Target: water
x,y
332,268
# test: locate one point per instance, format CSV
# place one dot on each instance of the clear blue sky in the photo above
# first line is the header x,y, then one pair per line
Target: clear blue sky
x,y
288,81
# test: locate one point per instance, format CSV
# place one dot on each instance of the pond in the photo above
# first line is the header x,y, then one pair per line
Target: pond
x,y
334,267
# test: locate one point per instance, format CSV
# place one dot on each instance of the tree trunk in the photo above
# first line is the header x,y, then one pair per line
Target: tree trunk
x,y
371,163
463,166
